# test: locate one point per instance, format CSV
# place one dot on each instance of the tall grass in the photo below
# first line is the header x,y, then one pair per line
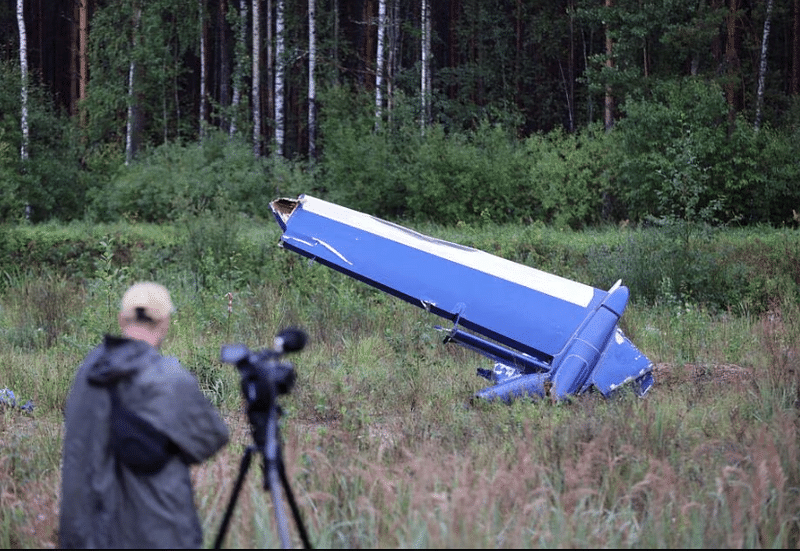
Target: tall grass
x,y
382,448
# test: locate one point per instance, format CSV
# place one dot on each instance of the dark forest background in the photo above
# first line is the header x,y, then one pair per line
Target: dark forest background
x,y
575,113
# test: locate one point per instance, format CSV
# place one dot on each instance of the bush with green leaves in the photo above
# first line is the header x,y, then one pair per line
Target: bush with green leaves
x,y
473,176
175,179
775,195
567,177
679,156
358,164
397,170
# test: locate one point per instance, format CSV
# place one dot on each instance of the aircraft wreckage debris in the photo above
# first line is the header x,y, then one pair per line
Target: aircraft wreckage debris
x,y
547,335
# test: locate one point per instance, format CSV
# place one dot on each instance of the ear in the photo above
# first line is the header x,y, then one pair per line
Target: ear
x,y
163,325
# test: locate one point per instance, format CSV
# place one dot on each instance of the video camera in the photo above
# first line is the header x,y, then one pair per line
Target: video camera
x,y
264,376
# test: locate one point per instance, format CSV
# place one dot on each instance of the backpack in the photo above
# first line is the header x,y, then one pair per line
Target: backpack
x,y
136,443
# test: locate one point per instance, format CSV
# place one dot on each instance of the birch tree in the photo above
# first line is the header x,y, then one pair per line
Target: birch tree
x,y
256,89
23,66
238,74
425,78
131,126
280,69
203,93
270,101
312,93
762,68
379,61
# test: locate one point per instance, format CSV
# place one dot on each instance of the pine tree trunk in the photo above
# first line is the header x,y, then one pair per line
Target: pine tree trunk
x,y
224,72
732,62
83,63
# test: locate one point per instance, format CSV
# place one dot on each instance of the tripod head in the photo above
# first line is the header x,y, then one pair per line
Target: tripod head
x,y
264,375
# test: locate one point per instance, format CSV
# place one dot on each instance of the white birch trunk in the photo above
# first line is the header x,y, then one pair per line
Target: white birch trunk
x,y
762,70
23,66
379,61
203,98
312,91
279,75
425,79
270,61
237,80
256,79
131,123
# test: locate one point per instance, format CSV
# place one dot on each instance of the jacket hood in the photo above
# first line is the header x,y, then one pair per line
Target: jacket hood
x,y
118,358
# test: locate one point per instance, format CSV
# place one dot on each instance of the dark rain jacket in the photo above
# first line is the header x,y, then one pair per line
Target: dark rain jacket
x,y
104,504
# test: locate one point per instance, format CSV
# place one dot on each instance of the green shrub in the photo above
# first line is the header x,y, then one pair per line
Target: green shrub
x,y
567,178
473,177
175,178
400,171
677,156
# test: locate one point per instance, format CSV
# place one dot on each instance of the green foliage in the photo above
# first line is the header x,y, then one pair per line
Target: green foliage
x,y
679,157
49,181
568,174
712,268
400,171
774,196
670,148
175,179
166,32
359,165
472,177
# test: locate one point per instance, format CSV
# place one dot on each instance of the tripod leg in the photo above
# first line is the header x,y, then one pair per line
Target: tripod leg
x,y
245,464
293,504
275,490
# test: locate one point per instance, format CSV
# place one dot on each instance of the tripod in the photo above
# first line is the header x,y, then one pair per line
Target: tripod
x,y
263,377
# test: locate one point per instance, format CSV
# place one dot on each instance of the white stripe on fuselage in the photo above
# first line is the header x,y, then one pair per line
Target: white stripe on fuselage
x,y
526,276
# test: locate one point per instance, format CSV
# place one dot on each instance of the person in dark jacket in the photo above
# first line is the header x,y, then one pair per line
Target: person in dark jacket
x,y
134,422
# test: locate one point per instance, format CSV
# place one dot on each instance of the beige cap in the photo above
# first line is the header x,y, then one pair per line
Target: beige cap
x,y
152,298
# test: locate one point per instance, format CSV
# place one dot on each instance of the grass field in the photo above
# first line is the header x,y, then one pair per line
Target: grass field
x,y
381,446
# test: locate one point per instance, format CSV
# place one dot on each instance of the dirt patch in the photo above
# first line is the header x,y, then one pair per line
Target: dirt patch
x,y
667,375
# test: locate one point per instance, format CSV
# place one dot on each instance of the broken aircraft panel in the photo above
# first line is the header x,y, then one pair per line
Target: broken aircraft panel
x,y
547,335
